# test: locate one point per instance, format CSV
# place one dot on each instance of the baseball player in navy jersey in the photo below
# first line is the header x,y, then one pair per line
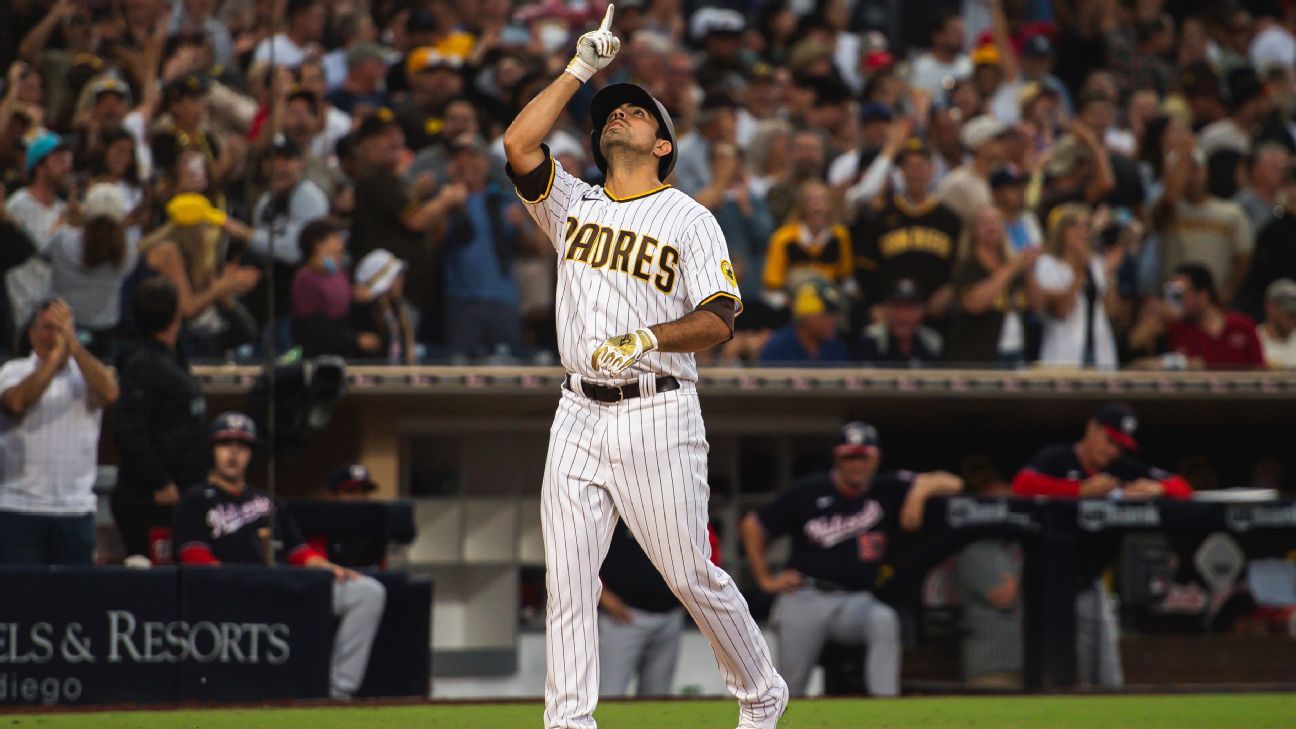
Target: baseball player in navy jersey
x,y
644,281
1098,466
839,523
222,521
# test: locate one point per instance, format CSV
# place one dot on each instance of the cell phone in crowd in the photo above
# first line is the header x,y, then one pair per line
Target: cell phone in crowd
x,y
1174,295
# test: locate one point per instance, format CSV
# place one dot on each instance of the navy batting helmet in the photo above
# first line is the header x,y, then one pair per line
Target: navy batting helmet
x,y
611,97
233,426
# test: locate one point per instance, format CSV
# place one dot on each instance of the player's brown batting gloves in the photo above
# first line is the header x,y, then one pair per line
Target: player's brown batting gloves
x,y
618,353
595,50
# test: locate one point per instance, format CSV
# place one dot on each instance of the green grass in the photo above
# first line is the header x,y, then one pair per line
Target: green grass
x,y
1228,711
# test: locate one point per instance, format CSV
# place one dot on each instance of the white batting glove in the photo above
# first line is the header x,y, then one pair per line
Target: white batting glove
x,y
595,50
619,353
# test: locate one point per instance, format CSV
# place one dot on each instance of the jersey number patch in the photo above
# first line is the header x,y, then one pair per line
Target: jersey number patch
x,y
872,545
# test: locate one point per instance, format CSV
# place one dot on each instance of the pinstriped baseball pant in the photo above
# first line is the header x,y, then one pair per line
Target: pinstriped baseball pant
x,y
643,460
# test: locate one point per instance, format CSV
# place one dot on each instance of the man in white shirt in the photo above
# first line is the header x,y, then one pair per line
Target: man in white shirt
x,y
1278,333
936,70
38,208
305,28
51,407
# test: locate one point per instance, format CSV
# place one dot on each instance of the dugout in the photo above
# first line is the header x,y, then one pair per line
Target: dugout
x,y
466,445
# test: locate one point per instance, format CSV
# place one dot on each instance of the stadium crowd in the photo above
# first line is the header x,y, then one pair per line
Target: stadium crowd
x,y
1100,183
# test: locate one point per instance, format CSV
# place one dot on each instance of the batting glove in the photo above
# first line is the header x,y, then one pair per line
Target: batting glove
x,y
595,50
619,353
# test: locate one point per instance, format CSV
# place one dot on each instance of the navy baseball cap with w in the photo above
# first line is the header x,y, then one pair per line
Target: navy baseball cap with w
x,y
857,438
1121,424
233,426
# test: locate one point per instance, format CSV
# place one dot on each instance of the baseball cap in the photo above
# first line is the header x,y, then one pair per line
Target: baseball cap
x,y
708,21
421,21
428,58
912,145
1037,46
107,83
857,438
905,291
285,147
191,208
232,426
981,129
105,200
986,55
1121,424
875,61
350,479
813,298
378,270
366,51
41,147
875,111
1283,294
1032,90
1006,176
1067,153
376,123
190,84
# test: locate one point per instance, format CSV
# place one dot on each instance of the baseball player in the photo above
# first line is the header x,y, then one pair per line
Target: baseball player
x,y
222,520
1098,466
644,281
839,522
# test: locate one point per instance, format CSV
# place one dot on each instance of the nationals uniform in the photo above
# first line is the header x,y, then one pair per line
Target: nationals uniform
x,y
623,264
838,545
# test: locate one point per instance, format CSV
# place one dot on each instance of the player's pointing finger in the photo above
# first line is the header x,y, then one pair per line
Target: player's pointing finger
x,y
607,18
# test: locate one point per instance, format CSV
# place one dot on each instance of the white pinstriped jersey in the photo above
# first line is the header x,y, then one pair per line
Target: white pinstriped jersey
x,y
629,263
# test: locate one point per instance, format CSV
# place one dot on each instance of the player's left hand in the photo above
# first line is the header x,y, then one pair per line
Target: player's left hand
x,y
619,353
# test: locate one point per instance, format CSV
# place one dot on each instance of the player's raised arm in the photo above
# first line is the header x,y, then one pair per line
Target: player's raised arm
x,y
594,51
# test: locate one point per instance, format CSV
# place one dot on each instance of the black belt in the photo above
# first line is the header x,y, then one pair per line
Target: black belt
x,y
617,393
830,586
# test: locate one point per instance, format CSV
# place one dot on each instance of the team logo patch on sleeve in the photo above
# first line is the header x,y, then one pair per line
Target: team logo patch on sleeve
x,y
727,270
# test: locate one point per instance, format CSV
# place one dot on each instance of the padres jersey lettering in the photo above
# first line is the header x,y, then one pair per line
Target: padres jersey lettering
x,y
625,263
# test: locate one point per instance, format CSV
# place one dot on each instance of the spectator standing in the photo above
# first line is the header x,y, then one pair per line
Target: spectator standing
x,y
321,296
1278,333
393,215
813,244
361,93
1098,466
280,215
1197,227
1008,187
990,297
220,522
966,190
935,70
482,239
914,236
1275,251
38,209
53,402
717,124
353,28
641,623
900,337
380,309
90,262
1197,327
305,29
1078,293
1267,168
839,523
435,81
812,336
160,423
